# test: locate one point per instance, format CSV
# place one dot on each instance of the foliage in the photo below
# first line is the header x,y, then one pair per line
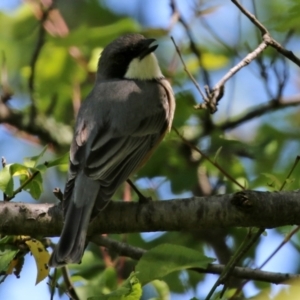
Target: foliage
x,y
257,151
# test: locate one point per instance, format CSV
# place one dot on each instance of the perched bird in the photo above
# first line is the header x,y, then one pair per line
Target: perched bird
x,y
123,119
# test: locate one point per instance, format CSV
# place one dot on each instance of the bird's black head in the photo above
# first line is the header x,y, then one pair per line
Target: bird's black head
x,y
129,56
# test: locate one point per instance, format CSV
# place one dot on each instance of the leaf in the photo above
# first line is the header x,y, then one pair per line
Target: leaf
x,y
210,62
35,186
274,180
162,289
166,258
32,161
63,160
7,254
217,154
129,290
6,181
7,239
41,257
18,169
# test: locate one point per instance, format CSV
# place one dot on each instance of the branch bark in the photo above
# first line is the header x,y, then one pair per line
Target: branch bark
x,y
243,209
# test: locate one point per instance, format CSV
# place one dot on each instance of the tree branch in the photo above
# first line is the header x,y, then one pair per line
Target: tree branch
x,y
46,128
266,35
136,253
243,209
260,110
38,47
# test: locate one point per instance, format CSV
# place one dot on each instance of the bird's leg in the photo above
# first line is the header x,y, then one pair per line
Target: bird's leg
x,y
142,198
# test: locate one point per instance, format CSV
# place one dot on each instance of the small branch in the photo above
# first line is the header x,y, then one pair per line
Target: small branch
x,y
136,253
36,52
291,233
286,239
250,274
290,173
69,285
22,186
119,248
3,162
259,110
251,17
225,173
188,72
7,92
58,194
268,40
217,91
53,284
193,45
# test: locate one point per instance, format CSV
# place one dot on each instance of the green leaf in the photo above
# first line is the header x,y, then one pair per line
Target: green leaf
x,y
63,160
7,254
166,258
7,239
129,290
217,154
32,161
35,186
274,181
6,181
18,169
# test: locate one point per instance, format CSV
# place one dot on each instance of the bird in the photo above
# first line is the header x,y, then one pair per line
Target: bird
x,y
119,125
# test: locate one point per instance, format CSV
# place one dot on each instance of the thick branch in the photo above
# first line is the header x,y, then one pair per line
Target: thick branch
x,y
244,209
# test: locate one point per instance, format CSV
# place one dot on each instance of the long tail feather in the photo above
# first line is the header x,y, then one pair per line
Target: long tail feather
x,y
71,245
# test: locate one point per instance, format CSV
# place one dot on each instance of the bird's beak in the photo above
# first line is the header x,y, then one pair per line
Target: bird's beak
x,y
146,48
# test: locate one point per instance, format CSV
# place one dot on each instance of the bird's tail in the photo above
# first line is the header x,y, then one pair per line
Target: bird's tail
x,y
79,209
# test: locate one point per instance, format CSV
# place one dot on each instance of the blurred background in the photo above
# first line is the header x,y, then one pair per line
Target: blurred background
x,y
49,52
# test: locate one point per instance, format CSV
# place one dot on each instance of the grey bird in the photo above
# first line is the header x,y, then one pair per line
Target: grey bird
x,y
123,119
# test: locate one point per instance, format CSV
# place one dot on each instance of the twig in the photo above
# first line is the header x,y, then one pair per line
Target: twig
x,y
193,45
23,185
36,52
245,246
3,161
290,173
53,284
58,194
188,72
272,105
286,239
268,40
136,253
69,285
239,254
217,92
227,175
6,90
120,248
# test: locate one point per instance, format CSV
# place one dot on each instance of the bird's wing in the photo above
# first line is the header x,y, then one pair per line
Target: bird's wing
x,y
116,129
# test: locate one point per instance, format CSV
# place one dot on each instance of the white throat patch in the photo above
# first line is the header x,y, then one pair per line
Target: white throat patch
x,y
145,69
